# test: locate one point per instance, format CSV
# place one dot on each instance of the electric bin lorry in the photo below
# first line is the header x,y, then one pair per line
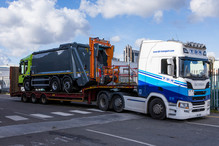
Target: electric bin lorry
x,y
172,80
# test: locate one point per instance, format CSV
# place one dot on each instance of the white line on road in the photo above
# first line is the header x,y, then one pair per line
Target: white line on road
x,y
95,110
62,114
39,127
41,116
80,112
16,118
209,125
124,138
29,115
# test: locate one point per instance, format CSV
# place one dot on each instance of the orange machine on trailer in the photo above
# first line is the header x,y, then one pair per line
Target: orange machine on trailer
x,y
96,71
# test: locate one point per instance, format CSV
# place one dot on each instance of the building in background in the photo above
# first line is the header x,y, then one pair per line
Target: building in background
x,y
4,78
135,56
130,55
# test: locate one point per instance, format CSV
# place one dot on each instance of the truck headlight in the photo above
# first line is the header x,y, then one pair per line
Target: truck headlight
x,y
191,92
208,103
183,105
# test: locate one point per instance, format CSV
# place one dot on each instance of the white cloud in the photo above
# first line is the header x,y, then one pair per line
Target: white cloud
x,y
115,39
143,8
27,24
204,8
211,54
119,56
4,59
138,42
158,16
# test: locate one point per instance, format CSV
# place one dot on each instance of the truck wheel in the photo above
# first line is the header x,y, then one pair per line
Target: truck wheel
x,y
33,98
103,101
24,98
118,103
67,85
55,85
44,99
27,85
157,109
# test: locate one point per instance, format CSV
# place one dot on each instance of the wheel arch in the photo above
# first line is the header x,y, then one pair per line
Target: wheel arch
x,y
157,95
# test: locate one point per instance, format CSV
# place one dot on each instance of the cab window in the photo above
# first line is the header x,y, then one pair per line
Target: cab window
x,y
164,66
25,66
21,69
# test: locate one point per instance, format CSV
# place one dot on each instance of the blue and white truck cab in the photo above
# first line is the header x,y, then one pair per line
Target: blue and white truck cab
x,y
173,80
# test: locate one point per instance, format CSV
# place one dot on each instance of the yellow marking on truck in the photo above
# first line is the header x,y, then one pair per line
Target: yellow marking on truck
x,y
52,74
53,94
74,100
57,73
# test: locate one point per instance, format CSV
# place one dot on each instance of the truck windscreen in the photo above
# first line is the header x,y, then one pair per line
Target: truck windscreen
x,y
194,69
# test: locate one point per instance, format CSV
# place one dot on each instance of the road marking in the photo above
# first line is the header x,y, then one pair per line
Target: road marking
x,y
16,118
202,124
41,116
62,114
213,116
39,127
80,112
29,115
124,138
95,110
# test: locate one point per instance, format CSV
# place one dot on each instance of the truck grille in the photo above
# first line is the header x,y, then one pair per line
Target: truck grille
x,y
199,92
198,103
198,110
198,98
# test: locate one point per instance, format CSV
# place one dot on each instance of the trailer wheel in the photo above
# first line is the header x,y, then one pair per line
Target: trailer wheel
x,y
103,101
24,97
43,99
118,103
67,85
157,109
27,85
55,84
33,98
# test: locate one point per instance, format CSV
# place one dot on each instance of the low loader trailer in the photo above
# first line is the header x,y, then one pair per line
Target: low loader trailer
x,y
171,81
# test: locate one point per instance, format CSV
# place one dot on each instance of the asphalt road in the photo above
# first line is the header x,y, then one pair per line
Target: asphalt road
x,y
27,124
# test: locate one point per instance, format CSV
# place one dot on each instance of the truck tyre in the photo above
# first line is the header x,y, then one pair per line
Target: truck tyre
x,y
67,85
55,84
157,109
103,101
43,99
118,103
33,98
27,85
24,97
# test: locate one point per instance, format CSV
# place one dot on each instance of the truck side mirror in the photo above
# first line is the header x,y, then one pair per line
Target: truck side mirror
x,y
170,67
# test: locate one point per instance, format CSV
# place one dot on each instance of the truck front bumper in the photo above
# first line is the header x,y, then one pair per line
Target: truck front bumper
x,y
194,110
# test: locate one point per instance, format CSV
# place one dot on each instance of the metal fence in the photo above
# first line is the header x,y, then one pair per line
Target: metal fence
x,y
215,90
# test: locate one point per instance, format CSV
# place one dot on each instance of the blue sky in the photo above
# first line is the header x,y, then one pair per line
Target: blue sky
x,y
30,25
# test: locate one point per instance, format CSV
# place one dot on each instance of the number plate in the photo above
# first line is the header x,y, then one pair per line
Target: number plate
x,y
198,115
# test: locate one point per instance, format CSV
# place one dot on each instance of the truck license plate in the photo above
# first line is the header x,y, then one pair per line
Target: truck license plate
x,y
198,115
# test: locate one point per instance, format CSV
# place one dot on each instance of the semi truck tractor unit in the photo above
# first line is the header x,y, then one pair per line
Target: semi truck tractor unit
x,y
69,68
172,78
